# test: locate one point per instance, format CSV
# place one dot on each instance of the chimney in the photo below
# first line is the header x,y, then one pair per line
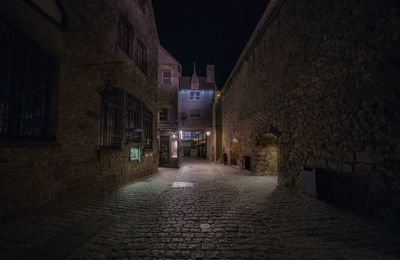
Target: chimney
x,y
210,74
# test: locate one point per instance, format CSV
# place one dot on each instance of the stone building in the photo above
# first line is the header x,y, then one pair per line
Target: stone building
x,y
318,86
78,85
196,97
169,80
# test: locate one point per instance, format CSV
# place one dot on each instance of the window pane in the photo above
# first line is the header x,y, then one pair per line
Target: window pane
x,y
174,148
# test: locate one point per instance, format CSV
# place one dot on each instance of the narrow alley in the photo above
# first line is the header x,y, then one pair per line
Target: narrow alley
x,y
203,210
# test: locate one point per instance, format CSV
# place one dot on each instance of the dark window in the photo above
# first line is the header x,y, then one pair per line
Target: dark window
x,y
133,112
141,56
164,114
25,88
142,5
194,95
133,118
148,128
110,132
167,77
124,36
195,113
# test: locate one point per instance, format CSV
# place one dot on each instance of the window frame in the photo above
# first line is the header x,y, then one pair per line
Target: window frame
x,y
111,133
125,40
28,91
148,128
167,113
141,57
167,81
194,95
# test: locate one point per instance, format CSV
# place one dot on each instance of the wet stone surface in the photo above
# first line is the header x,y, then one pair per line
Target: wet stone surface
x,y
223,215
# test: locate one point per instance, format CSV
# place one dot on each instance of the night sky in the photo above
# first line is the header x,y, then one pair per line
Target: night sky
x,y
207,31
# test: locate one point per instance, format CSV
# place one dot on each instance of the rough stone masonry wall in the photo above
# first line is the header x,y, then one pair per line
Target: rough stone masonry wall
x,y
34,175
324,77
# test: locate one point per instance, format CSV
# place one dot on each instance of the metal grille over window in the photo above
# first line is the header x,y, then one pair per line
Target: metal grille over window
x,y
110,132
25,88
133,119
141,56
148,128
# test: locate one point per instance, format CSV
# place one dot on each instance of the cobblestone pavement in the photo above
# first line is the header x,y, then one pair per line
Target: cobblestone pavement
x,y
225,215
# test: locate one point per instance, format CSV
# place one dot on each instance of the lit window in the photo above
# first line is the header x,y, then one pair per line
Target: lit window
x,y
194,95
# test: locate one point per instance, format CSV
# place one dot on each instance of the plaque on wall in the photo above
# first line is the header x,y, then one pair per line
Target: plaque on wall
x,y
134,154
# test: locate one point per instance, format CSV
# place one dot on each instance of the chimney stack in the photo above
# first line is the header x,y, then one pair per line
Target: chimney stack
x,y
210,74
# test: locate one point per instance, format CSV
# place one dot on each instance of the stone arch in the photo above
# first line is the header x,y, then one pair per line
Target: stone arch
x,y
266,153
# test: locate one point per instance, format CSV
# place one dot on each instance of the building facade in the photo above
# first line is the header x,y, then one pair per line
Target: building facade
x,y
169,81
78,86
196,97
325,97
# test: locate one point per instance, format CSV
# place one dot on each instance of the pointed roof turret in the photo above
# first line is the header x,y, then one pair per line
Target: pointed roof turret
x,y
195,80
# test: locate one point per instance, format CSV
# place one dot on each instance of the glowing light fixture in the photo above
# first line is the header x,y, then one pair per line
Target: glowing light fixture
x,y
208,133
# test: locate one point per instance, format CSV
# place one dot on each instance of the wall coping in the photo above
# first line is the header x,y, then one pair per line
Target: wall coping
x,y
261,28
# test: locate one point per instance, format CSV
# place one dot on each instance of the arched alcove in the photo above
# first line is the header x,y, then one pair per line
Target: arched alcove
x,y
266,155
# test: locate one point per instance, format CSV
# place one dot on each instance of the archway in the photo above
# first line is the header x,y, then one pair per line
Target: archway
x,y
266,155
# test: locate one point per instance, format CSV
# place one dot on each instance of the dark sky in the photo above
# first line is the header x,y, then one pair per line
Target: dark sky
x,y
207,31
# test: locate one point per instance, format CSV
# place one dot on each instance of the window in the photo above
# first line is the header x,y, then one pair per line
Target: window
x,y
174,148
148,128
164,114
195,113
110,132
194,95
142,5
124,38
133,119
141,56
133,112
167,77
25,88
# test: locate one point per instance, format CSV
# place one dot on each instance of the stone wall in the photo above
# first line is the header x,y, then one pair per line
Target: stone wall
x,y
33,175
323,76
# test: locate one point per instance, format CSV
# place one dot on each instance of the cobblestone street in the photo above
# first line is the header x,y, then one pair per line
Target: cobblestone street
x,y
203,210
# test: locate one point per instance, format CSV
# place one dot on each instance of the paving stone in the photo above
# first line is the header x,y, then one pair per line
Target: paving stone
x,y
249,217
